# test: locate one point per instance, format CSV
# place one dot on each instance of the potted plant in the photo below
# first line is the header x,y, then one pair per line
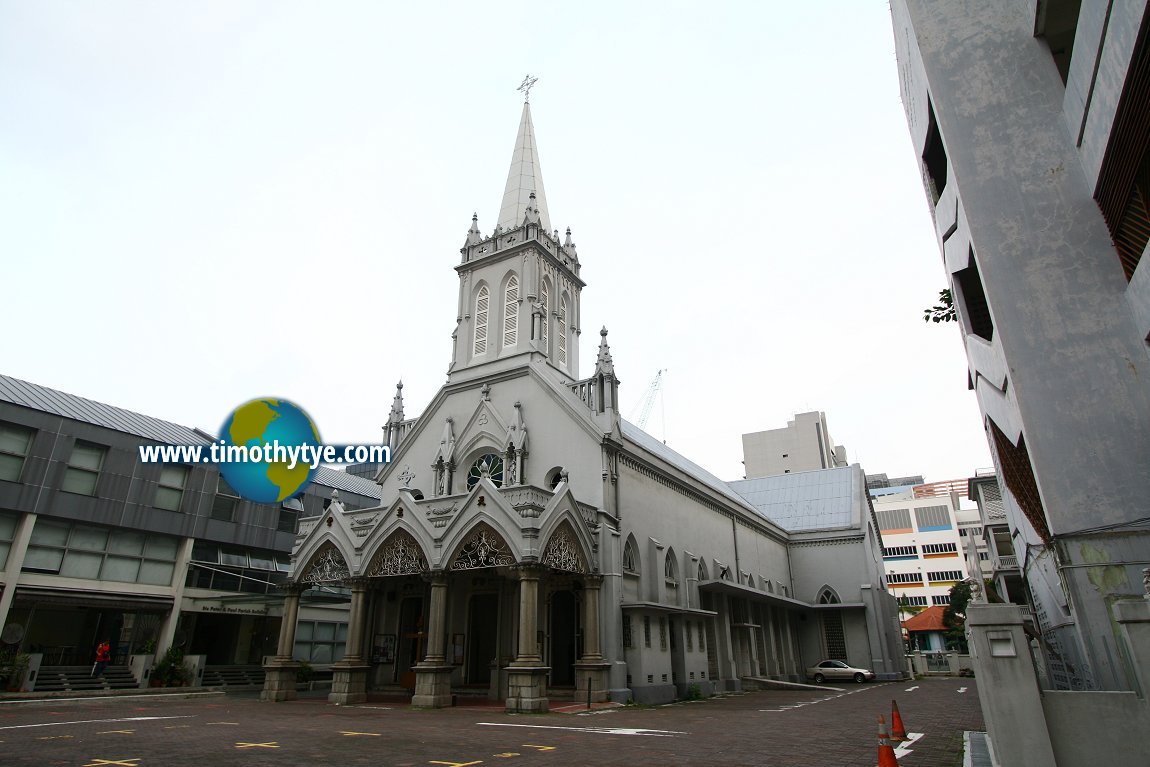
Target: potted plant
x,y
170,671
13,666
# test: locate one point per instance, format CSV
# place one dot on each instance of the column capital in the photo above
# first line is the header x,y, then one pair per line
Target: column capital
x,y
358,583
434,577
529,571
293,588
592,581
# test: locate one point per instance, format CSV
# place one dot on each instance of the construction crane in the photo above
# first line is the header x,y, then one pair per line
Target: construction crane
x,y
649,401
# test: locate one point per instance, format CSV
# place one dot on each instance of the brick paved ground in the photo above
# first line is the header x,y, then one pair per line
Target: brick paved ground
x,y
792,728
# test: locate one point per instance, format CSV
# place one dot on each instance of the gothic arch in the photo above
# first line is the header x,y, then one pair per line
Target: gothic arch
x,y
562,329
827,596
482,546
547,304
327,565
671,566
564,550
399,554
703,576
636,565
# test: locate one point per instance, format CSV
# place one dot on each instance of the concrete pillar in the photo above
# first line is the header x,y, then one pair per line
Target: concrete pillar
x,y
1133,617
591,672
349,676
432,674
353,649
15,561
167,633
527,676
1007,686
280,673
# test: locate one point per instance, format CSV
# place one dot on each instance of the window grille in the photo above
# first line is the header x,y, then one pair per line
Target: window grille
x,y
546,320
900,551
893,519
940,548
904,577
930,518
561,328
945,575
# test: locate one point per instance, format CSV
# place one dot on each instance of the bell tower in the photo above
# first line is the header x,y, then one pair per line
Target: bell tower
x,y
519,287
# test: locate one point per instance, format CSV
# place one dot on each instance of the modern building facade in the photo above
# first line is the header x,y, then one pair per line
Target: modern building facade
x,y
925,548
95,544
1032,124
804,444
532,543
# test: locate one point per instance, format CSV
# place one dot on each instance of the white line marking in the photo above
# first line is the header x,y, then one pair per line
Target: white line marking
x,y
962,689
911,689
93,721
901,749
378,708
31,701
598,730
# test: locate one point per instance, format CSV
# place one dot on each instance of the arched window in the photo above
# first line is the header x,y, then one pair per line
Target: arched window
x,y
490,465
561,330
629,563
482,301
511,312
546,320
670,571
828,597
703,572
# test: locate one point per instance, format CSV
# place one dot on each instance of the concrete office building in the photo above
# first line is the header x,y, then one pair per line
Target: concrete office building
x,y
95,544
804,444
1032,124
531,543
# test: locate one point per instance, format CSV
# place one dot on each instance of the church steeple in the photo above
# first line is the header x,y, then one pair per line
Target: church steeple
x,y
518,287
524,179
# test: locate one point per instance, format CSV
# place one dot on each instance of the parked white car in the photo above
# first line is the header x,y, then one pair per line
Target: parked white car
x,y
836,669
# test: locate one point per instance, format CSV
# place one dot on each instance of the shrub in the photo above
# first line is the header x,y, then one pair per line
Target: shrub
x,y
170,671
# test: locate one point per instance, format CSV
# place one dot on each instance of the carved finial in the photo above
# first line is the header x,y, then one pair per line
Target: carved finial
x,y
526,86
396,415
485,392
1146,582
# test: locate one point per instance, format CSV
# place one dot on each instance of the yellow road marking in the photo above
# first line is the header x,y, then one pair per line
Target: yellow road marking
x,y
352,734
116,732
55,737
271,744
177,727
457,764
541,748
120,762
231,723
507,754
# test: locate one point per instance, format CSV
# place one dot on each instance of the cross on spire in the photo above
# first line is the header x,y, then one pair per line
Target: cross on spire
x,y
526,86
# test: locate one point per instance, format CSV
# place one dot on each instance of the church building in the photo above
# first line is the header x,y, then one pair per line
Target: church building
x,y
531,543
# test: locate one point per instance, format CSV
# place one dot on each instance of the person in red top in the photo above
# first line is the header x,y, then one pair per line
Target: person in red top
x,y
103,655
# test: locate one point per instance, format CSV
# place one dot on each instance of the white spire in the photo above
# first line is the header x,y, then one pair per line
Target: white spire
x,y
523,178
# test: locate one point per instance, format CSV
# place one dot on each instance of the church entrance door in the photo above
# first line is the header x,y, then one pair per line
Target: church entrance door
x,y
482,636
564,625
412,640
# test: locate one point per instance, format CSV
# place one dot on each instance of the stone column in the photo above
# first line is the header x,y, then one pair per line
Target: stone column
x,y
591,671
1007,685
349,676
527,676
280,673
433,674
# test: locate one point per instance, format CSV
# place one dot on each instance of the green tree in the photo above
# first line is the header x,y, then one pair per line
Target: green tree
x,y
943,311
954,616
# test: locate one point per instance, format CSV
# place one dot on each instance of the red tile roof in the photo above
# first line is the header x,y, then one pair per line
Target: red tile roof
x,y
929,619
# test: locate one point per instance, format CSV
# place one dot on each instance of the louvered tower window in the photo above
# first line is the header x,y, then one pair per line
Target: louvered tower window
x,y
481,304
511,312
561,341
543,297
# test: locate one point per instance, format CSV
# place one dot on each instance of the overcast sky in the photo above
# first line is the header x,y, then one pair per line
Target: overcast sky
x,y
202,203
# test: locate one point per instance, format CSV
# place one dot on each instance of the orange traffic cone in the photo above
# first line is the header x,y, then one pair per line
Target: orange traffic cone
x,y
897,730
886,757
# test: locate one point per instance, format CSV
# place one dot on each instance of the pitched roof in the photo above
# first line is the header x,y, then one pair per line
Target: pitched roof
x,y
929,619
823,499
37,397
523,178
